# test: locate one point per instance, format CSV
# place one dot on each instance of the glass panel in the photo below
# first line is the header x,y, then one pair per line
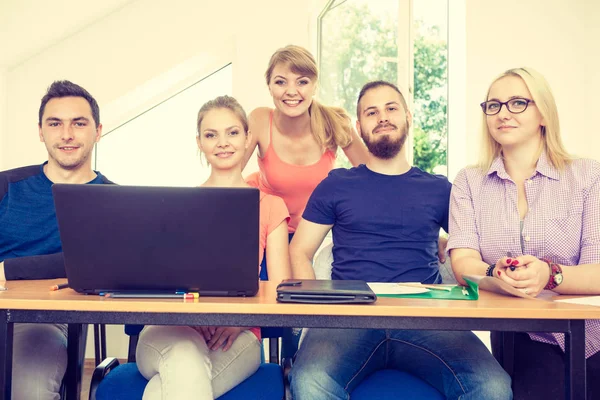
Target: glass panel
x,y
358,44
430,108
158,147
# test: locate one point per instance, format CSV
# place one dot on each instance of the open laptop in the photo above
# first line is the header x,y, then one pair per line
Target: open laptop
x,y
136,238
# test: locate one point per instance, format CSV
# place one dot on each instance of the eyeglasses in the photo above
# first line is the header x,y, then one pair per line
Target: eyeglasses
x,y
515,106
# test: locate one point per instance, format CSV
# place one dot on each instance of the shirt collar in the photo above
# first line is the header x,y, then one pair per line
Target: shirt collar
x,y
543,167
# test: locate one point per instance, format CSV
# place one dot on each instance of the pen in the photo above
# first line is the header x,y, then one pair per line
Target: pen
x,y
420,285
184,296
59,286
509,255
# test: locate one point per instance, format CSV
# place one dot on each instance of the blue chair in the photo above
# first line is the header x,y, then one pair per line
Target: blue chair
x,y
112,381
393,384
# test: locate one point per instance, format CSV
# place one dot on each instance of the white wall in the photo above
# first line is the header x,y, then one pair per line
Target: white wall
x,y
144,39
591,62
557,38
3,105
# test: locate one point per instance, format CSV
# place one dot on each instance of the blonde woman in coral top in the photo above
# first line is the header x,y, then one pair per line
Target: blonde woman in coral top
x,y
204,362
298,139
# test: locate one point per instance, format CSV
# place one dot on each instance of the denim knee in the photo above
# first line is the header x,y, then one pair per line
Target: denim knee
x,y
498,387
309,383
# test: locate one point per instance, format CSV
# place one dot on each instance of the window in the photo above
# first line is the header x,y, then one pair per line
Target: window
x,y
158,147
398,41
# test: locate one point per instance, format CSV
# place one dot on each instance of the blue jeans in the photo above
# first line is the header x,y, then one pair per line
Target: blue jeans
x,y
332,362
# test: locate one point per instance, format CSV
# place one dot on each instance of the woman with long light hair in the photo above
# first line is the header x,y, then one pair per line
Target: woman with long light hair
x,y
298,139
529,215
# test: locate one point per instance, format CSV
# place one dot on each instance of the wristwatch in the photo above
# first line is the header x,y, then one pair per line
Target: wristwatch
x,y
556,276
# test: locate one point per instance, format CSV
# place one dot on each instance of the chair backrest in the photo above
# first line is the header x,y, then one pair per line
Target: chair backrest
x,y
324,258
322,262
76,341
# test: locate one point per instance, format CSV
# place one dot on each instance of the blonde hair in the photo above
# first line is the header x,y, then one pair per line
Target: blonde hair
x,y
331,126
544,101
226,102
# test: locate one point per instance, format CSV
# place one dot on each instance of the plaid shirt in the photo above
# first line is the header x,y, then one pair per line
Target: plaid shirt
x,y
562,223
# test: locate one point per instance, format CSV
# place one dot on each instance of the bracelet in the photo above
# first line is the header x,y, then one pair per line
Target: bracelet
x,y
490,270
556,276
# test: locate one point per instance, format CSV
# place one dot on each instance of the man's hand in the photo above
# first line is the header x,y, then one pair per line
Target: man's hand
x,y
442,242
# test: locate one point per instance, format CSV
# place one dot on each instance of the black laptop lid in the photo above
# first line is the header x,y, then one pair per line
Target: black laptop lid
x,y
124,238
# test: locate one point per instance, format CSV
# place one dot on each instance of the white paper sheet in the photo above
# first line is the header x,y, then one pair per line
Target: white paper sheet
x,y
590,301
394,288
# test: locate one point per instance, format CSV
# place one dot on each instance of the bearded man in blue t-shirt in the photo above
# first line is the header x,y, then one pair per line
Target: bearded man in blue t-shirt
x,y
30,248
385,217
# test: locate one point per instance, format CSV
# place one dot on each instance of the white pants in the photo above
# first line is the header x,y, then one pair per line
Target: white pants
x,y
179,365
39,361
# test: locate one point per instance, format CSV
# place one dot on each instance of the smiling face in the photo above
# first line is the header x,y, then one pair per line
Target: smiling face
x,y
222,139
510,129
292,93
69,132
383,122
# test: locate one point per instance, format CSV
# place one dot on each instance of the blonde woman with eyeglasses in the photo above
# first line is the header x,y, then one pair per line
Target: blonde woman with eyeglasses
x,y
529,215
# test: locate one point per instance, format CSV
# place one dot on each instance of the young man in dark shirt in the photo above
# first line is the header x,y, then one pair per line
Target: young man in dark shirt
x,y
30,248
386,217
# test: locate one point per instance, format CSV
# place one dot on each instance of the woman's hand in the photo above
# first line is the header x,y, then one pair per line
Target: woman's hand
x,y
530,275
205,331
219,336
502,265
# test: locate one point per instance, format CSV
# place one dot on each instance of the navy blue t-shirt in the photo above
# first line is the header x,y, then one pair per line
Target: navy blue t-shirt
x,y
29,240
385,227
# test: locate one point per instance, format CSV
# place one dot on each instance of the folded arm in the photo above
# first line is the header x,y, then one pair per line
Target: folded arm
x,y
48,266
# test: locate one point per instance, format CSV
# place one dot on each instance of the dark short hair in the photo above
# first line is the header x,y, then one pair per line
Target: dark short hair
x,y
373,85
60,89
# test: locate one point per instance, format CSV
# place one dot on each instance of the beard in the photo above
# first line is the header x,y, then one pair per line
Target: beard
x,y
384,147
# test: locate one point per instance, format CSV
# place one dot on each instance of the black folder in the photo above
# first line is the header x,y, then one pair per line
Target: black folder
x,y
324,291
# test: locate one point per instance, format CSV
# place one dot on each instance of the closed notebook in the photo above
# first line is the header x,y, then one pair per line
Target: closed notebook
x,y
324,291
